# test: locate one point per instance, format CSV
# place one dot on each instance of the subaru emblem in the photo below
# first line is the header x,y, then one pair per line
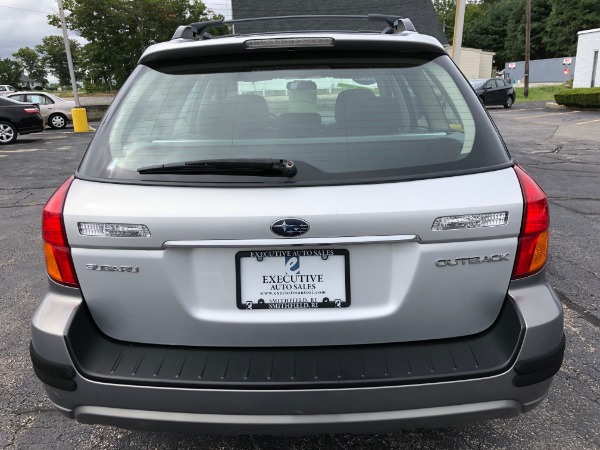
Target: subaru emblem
x,y
290,227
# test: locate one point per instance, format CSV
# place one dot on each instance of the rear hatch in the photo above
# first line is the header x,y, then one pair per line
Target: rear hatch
x,y
400,221
179,286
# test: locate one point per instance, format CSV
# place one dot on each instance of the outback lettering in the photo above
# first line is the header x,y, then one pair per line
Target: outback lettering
x,y
472,260
109,268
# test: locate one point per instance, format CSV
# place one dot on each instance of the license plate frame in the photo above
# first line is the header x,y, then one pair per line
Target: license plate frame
x,y
328,293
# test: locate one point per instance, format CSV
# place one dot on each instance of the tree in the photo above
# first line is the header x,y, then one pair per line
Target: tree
x,y
446,11
490,29
474,13
97,76
499,26
32,64
54,57
118,31
10,72
565,20
514,48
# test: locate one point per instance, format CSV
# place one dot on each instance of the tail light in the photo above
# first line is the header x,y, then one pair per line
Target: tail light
x,y
532,251
57,252
32,110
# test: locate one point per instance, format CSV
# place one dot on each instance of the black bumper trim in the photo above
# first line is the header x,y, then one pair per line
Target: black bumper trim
x,y
100,358
536,370
53,374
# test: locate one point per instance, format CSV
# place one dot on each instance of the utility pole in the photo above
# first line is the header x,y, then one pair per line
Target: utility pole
x,y
527,46
459,22
61,13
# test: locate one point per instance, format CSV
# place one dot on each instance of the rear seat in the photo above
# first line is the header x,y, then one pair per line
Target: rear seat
x,y
359,112
242,116
299,124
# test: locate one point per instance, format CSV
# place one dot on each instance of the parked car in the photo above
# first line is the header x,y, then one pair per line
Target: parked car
x,y
494,91
297,233
56,111
6,89
18,118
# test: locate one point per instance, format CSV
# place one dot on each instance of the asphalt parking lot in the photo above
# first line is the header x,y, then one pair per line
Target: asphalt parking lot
x,y
561,148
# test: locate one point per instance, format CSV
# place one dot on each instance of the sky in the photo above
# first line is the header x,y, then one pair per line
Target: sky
x,y
23,23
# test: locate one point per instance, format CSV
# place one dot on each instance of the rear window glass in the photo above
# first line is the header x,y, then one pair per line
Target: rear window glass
x,y
338,122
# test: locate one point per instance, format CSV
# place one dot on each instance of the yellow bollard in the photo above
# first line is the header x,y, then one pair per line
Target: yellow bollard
x,y
80,123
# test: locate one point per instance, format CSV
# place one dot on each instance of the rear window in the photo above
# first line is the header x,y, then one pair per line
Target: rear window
x,y
8,101
351,120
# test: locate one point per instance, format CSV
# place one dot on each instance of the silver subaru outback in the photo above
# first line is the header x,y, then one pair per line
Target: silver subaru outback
x,y
308,232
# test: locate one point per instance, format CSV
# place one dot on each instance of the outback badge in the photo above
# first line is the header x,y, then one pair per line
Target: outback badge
x,y
290,227
112,268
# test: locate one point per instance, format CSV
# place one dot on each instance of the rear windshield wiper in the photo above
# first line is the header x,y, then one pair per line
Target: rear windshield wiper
x,y
251,167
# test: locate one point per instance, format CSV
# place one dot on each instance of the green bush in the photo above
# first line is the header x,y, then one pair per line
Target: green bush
x,y
92,88
581,97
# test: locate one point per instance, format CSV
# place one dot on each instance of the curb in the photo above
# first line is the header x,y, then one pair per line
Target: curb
x,y
554,105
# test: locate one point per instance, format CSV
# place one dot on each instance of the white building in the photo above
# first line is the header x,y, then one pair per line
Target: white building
x,y
587,69
475,63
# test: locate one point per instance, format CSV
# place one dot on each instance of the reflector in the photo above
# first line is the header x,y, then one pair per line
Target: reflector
x,y
113,229
486,220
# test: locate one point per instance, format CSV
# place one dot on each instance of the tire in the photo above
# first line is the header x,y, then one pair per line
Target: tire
x,y
509,102
8,133
57,121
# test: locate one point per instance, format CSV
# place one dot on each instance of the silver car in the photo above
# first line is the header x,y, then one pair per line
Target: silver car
x,y
55,110
309,232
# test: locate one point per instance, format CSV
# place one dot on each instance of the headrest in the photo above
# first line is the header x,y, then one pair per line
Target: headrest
x,y
350,105
251,104
299,124
245,115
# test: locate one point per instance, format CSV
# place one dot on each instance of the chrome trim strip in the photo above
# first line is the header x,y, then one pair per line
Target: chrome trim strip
x,y
294,242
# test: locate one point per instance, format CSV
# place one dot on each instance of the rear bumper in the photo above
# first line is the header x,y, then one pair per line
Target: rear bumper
x,y
356,423
110,395
32,125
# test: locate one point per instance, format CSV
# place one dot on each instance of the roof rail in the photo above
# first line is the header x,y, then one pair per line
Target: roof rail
x,y
197,30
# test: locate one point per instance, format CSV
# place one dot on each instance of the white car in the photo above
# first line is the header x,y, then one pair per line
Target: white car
x,y
5,89
55,110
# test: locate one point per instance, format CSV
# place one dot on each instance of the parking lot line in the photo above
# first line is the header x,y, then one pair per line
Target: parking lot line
x,y
518,110
544,115
589,121
22,150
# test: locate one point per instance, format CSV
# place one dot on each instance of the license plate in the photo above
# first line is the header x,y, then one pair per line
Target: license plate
x,y
293,279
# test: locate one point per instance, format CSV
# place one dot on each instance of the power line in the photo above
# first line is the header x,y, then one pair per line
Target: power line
x,y
23,9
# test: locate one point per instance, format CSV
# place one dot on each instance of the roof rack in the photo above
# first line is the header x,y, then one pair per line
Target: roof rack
x,y
197,30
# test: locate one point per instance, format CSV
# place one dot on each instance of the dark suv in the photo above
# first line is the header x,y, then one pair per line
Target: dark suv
x,y
308,232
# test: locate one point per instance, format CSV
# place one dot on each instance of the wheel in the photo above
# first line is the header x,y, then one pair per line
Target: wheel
x,y
57,121
509,102
8,133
